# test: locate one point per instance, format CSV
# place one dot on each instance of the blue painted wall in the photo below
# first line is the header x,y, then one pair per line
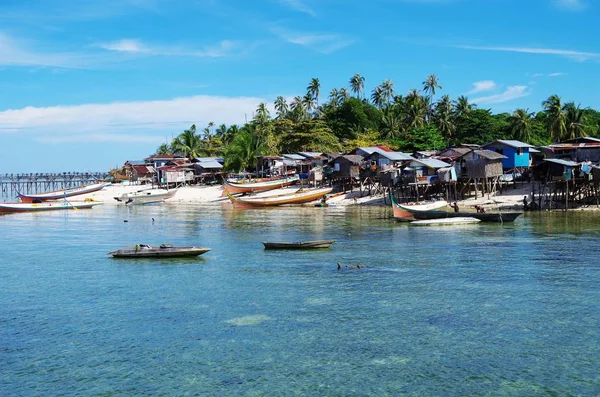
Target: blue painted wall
x,y
514,159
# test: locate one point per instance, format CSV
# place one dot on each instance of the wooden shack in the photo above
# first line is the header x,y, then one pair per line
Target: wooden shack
x,y
481,167
346,166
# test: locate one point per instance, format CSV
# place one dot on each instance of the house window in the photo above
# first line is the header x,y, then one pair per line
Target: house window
x,y
519,151
499,150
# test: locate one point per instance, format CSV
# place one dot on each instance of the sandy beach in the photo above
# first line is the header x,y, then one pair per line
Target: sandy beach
x,y
512,198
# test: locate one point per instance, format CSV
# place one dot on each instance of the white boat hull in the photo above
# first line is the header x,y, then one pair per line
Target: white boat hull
x,y
446,221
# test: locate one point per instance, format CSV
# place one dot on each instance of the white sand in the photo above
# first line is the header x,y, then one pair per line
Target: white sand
x,y
212,195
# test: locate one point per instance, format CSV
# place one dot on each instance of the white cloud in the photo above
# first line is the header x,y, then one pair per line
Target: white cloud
x,y
556,74
102,122
299,6
221,49
571,5
480,86
576,55
512,92
324,43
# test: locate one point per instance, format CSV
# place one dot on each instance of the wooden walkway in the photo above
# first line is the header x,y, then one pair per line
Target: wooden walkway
x,y
38,183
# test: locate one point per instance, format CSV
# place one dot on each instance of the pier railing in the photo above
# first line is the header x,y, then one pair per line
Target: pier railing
x,y
43,182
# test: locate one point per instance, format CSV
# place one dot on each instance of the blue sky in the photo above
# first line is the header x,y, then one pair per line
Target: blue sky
x,y
89,84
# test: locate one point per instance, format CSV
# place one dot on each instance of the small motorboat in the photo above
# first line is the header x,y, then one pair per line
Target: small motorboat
x,y
446,221
301,196
164,251
147,196
63,193
406,212
299,245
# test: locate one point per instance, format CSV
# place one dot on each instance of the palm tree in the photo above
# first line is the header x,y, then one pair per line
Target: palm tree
x,y
462,106
391,125
429,87
164,149
574,120
221,131
309,102
242,151
313,89
343,95
443,117
357,84
377,97
262,114
334,97
556,117
520,124
297,108
211,124
416,109
189,143
230,134
387,90
281,107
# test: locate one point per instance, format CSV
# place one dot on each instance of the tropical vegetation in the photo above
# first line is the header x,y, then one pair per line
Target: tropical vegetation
x,y
347,118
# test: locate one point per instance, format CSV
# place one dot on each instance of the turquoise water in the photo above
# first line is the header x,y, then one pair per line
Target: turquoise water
x,y
472,310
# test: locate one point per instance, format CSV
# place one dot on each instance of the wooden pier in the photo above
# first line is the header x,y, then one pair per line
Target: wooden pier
x,y
38,183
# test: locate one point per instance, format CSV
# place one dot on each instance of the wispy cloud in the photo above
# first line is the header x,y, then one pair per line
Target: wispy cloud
x,y
572,54
556,74
511,93
324,43
571,5
101,138
99,121
298,5
480,86
223,48
14,52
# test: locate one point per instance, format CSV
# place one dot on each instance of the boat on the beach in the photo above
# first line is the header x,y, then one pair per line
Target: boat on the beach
x,y
446,221
314,244
262,186
47,206
61,194
495,216
146,196
405,212
163,251
301,196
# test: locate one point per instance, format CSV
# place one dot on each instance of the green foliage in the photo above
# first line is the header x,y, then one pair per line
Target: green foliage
x,y
423,138
309,136
480,127
351,116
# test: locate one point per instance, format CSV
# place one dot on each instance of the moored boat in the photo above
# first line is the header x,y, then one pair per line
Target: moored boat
x,y
482,216
147,196
405,212
314,244
61,194
47,206
301,196
446,221
258,186
163,251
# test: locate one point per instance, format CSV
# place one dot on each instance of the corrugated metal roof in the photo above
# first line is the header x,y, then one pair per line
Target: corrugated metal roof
x,y
293,156
532,150
563,162
353,158
490,155
395,156
509,142
310,154
205,159
210,164
432,163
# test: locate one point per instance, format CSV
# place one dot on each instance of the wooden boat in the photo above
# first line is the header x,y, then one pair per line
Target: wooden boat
x,y
47,206
258,186
61,194
484,217
446,221
301,196
147,196
164,251
405,212
299,245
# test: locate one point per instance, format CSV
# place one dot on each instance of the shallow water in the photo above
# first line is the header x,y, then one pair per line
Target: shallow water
x,y
468,310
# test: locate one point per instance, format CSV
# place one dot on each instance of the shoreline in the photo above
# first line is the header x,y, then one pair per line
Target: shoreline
x,y
511,199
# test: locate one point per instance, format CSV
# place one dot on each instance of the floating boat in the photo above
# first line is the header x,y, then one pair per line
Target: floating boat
x,y
299,245
47,206
446,221
147,196
405,212
301,196
164,251
258,186
482,216
61,194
